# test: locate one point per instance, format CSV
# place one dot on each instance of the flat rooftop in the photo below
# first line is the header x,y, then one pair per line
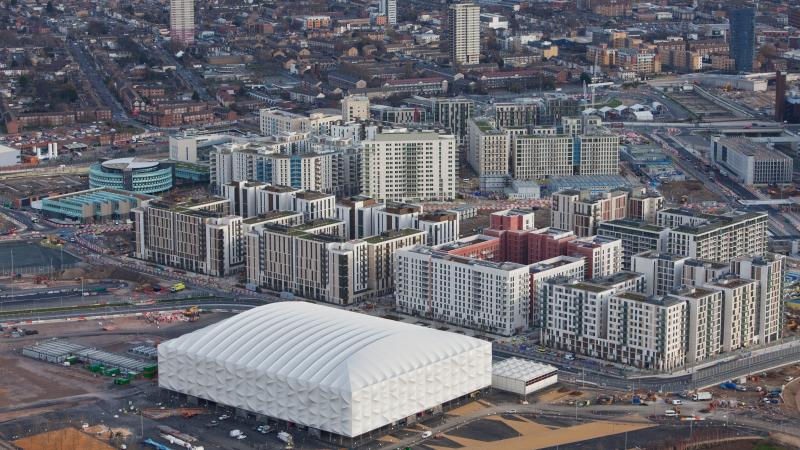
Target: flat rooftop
x,y
411,136
628,223
505,266
392,234
757,150
553,263
312,195
272,215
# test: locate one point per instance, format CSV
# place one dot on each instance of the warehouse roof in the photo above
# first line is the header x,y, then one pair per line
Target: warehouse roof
x,y
521,369
321,345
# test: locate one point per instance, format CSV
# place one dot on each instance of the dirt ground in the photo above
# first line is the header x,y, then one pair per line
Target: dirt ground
x,y
105,273
45,384
693,190
64,439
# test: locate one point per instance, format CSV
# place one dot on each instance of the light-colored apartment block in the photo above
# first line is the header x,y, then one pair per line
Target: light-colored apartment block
x,y
409,166
487,296
464,33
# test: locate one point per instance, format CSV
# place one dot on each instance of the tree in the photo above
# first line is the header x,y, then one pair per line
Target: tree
x,y
24,81
586,78
195,96
96,28
49,8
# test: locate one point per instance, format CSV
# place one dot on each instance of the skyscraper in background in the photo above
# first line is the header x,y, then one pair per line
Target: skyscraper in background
x,y
181,21
388,8
780,97
464,33
743,37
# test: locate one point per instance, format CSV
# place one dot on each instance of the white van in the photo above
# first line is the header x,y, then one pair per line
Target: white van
x,y
426,434
670,413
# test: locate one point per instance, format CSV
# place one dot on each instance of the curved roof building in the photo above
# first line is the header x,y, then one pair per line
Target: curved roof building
x,y
143,176
338,371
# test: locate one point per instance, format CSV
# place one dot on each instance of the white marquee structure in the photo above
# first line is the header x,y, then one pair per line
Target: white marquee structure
x,y
333,370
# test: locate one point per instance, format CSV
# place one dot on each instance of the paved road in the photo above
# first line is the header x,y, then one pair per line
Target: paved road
x,y
729,369
187,75
96,80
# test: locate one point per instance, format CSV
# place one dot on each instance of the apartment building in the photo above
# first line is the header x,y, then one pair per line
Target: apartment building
x,y
704,320
291,259
355,108
643,205
738,311
388,8
636,237
314,205
536,156
603,255
464,33
546,243
308,171
409,166
181,21
381,260
768,271
275,121
648,332
519,113
250,199
565,267
718,238
699,272
483,295
357,214
488,154
441,227
575,313
582,213
663,272
197,236
453,113
596,154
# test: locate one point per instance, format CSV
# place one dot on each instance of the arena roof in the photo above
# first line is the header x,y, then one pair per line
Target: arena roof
x,y
130,163
349,373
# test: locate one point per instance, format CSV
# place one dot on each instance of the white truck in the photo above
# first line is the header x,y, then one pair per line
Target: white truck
x,y
287,438
701,396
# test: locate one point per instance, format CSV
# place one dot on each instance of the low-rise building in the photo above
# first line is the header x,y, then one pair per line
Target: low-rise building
x,y
752,163
92,206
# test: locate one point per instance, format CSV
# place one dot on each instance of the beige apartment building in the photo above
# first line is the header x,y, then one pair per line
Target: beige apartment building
x,y
409,166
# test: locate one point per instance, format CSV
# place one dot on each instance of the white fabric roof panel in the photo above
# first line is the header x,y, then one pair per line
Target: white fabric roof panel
x,y
521,369
335,370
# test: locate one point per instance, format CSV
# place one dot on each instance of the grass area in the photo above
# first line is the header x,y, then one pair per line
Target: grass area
x,y
613,103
